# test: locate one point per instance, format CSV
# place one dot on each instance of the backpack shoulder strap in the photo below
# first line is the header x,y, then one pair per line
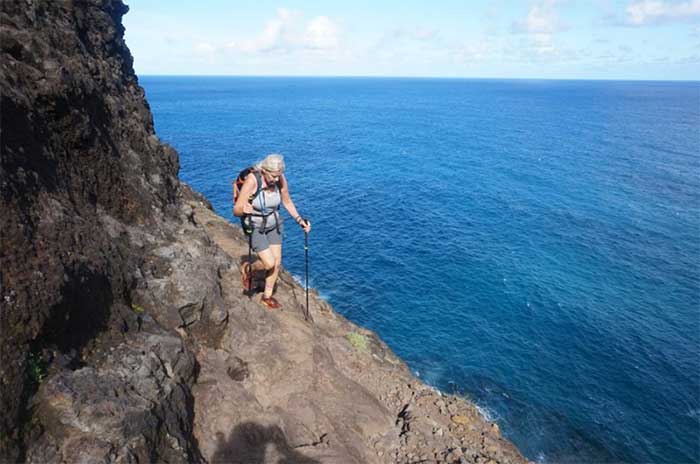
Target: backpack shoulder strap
x,y
240,180
258,179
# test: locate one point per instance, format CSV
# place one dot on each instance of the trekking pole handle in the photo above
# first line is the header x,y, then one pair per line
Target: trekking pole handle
x,y
247,223
302,222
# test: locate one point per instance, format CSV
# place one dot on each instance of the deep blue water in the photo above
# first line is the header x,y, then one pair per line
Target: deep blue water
x,y
534,245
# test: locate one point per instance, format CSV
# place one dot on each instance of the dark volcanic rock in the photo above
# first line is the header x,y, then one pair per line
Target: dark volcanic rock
x,y
173,285
77,145
127,409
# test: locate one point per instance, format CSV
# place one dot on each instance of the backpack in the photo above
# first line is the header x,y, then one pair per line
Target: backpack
x,y
246,224
240,180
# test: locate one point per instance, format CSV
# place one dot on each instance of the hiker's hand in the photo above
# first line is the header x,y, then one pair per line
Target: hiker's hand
x,y
306,225
247,208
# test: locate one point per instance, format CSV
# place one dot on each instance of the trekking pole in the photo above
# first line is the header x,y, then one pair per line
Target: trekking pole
x,y
249,231
306,253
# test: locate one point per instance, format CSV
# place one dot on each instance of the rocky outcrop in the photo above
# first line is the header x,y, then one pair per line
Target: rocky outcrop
x,y
126,336
122,407
279,387
78,150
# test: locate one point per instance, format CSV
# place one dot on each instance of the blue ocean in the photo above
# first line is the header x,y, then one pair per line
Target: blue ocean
x,y
532,245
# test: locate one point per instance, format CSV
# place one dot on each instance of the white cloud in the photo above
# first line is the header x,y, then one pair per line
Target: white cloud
x,y
203,49
321,34
542,18
407,35
540,24
690,59
624,48
477,51
530,50
543,45
273,36
418,43
424,34
288,32
641,12
277,35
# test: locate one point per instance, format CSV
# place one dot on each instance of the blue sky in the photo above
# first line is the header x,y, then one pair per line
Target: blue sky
x,y
560,39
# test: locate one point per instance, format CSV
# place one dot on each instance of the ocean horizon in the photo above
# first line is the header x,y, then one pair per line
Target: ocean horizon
x,y
438,78
532,244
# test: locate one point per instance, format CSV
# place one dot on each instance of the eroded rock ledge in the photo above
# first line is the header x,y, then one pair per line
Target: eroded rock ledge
x,y
325,390
125,335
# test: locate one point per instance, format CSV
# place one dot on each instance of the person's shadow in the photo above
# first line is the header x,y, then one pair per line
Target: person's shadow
x,y
248,442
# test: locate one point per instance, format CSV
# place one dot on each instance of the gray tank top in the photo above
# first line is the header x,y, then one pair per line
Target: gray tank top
x,y
266,202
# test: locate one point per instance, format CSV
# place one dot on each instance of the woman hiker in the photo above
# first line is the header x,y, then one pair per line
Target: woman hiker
x,y
262,211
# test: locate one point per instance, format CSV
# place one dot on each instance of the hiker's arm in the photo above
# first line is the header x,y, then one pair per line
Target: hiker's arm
x,y
243,206
289,206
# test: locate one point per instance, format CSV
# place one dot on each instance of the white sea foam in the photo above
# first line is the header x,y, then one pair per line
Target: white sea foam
x,y
485,413
300,280
435,390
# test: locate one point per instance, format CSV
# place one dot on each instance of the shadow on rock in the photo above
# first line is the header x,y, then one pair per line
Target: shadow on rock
x,y
250,442
83,312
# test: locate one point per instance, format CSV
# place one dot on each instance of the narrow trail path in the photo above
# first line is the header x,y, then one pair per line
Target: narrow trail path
x,y
280,388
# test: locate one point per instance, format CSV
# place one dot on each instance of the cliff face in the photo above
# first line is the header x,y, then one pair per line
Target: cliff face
x,y
125,335
77,146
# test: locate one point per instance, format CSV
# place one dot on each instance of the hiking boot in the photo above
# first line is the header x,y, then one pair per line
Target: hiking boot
x,y
270,302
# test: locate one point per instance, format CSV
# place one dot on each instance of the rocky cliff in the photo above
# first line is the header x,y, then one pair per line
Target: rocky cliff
x,y
125,334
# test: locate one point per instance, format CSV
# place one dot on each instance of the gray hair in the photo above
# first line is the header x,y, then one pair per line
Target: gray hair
x,y
273,162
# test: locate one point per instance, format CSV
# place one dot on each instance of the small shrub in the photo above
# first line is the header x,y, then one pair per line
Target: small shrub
x,y
358,341
37,368
137,308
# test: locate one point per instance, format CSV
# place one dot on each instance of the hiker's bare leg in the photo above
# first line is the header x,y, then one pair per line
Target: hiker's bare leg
x,y
272,273
257,265
266,261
